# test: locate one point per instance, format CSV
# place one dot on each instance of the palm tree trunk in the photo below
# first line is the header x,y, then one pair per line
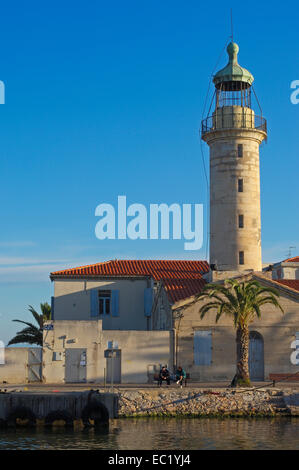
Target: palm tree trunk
x,y
242,376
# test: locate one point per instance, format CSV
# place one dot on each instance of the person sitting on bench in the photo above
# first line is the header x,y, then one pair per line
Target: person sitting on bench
x,y
180,376
164,376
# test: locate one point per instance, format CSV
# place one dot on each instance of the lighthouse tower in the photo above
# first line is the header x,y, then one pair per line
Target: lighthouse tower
x,y
234,133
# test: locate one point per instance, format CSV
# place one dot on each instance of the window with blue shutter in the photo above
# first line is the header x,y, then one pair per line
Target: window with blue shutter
x,y
94,303
148,301
104,302
115,303
202,348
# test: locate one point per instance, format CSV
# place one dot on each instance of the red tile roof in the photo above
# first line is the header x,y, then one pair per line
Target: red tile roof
x,y
179,289
292,260
293,283
181,279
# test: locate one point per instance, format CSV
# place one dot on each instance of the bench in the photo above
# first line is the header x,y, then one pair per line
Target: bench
x,y
156,379
284,377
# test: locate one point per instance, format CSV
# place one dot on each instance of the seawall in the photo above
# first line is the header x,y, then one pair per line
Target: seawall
x,y
90,407
203,402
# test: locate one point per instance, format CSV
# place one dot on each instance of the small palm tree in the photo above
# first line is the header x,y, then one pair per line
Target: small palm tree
x,y
33,334
241,301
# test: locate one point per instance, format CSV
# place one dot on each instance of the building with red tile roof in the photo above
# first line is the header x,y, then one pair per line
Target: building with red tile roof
x,y
180,278
295,259
126,294
124,301
286,269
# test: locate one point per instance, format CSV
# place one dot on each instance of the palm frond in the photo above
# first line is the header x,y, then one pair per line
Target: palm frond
x,y
241,300
207,307
26,339
25,323
270,300
37,316
46,311
257,310
33,334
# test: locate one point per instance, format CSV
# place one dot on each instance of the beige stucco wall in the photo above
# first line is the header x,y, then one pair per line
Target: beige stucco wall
x,y
140,350
278,332
15,369
72,301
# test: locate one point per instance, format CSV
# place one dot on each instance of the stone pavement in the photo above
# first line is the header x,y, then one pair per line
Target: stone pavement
x,y
40,387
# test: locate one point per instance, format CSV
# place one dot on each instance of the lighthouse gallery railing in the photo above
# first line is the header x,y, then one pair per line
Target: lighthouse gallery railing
x,y
234,120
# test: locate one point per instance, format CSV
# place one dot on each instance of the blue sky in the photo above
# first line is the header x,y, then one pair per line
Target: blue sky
x,y
105,99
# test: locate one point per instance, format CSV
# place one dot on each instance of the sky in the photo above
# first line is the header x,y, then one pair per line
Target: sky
x,y
105,99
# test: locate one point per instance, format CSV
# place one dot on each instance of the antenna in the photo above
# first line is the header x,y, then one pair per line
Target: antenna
x,y
290,251
231,24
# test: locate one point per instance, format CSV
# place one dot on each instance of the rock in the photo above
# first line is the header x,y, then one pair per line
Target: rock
x,y
174,402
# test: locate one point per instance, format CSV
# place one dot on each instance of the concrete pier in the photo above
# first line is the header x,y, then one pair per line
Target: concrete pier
x,y
45,408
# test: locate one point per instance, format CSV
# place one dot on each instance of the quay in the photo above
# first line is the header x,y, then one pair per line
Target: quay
x,y
33,408
72,404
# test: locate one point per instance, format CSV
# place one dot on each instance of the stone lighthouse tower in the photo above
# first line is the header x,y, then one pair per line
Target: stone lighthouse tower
x,y
234,133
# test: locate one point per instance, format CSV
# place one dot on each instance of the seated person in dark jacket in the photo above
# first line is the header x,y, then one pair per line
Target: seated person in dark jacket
x,y
164,376
180,375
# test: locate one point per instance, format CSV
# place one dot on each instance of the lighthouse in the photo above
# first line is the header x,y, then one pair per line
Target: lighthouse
x,y
234,132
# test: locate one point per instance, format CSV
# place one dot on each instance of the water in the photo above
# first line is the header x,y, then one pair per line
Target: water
x,y
164,434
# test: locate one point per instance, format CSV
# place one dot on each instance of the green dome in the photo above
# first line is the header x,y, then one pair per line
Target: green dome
x,y
233,72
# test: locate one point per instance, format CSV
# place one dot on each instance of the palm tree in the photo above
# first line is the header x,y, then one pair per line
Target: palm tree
x,y
242,301
33,334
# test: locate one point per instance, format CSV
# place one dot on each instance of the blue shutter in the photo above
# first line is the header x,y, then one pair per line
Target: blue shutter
x,y
115,303
202,348
94,302
52,308
148,301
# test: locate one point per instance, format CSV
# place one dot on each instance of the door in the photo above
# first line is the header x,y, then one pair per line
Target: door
x,y
75,365
202,351
256,356
113,366
34,364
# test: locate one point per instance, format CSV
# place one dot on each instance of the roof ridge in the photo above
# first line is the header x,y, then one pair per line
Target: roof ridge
x,y
276,281
156,268
181,278
290,259
83,266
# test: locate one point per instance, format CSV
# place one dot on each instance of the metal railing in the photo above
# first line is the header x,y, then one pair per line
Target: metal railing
x,y
234,120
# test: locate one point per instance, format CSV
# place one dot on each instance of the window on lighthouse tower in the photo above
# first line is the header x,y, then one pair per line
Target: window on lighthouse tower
x,y
240,185
240,150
